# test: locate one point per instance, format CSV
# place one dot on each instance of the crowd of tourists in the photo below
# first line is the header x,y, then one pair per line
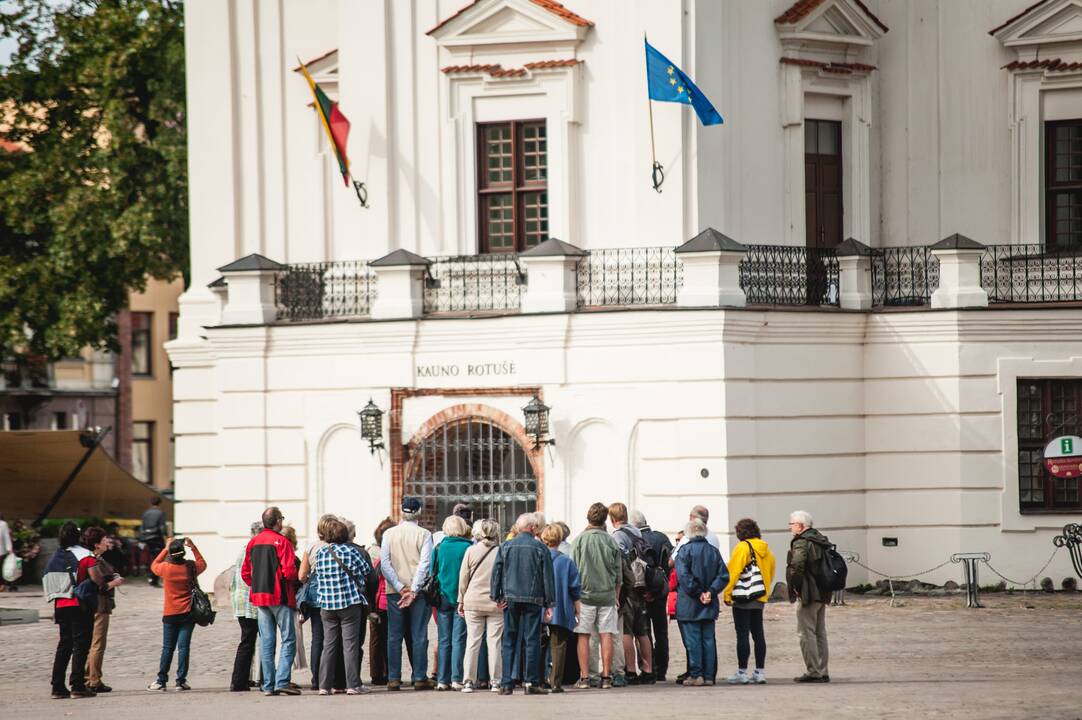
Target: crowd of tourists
x,y
522,607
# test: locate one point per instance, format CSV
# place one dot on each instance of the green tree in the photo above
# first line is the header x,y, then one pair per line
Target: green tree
x,y
97,198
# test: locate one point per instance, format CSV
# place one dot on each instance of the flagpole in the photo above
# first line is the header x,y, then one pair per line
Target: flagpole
x,y
657,173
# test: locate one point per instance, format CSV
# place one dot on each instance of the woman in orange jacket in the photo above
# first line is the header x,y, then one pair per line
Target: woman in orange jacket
x,y
177,575
747,593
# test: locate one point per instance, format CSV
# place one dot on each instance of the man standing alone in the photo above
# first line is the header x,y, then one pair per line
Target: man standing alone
x,y
805,552
405,557
152,534
270,570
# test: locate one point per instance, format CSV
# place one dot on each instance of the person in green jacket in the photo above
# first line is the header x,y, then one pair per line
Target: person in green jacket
x,y
450,626
805,551
598,559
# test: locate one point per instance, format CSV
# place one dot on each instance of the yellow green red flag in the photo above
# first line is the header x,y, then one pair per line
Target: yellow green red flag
x,y
334,123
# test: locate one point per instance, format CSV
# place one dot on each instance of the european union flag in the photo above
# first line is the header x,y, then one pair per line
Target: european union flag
x,y
668,83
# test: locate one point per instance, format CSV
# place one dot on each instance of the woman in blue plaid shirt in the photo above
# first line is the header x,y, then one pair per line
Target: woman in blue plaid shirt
x,y
341,571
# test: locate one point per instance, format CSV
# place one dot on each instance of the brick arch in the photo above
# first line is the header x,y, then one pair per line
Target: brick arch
x,y
463,411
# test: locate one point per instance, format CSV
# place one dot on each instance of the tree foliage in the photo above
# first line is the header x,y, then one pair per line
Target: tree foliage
x,y
96,199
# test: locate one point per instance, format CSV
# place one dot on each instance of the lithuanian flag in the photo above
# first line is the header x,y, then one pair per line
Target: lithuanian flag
x,y
333,121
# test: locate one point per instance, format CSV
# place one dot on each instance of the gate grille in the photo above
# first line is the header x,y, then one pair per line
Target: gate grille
x,y
471,460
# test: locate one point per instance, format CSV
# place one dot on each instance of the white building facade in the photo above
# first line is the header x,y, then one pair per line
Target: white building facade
x,y
883,329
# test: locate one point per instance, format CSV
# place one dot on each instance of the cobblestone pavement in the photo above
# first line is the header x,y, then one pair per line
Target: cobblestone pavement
x,y
1020,657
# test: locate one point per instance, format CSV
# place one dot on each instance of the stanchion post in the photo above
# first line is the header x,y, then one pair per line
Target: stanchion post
x,y
1072,540
969,570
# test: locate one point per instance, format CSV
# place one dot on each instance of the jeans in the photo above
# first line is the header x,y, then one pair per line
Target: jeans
x,y
315,623
521,627
451,631
701,648
242,663
415,617
175,636
659,618
749,622
271,619
76,628
343,630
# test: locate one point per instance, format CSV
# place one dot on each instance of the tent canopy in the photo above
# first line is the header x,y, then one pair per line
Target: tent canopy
x,y
34,464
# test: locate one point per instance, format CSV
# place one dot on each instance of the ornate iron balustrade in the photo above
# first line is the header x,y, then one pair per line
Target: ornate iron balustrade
x,y
904,276
474,282
313,291
629,276
1031,273
789,275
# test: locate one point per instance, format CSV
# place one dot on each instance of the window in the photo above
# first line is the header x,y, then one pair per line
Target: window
x,y
1063,184
1046,409
823,183
13,421
141,347
512,188
60,421
142,451
173,318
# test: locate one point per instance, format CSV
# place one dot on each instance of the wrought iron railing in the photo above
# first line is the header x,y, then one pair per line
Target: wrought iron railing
x,y
629,276
904,276
789,275
1031,274
313,291
474,282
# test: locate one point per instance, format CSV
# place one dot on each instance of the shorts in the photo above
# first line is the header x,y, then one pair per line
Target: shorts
x,y
597,618
636,618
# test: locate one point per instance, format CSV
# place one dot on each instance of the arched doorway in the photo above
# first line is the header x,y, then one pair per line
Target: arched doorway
x,y
471,459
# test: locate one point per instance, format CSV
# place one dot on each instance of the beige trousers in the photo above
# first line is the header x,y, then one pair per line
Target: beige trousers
x,y
811,626
97,649
479,623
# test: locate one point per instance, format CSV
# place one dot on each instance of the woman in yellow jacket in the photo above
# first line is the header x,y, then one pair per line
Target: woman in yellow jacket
x,y
748,613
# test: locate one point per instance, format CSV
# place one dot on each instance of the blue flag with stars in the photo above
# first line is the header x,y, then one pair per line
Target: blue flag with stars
x,y
668,83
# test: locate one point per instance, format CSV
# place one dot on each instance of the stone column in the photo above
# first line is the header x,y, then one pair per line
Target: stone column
x,y
711,271
855,275
251,290
959,273
400,285
552,278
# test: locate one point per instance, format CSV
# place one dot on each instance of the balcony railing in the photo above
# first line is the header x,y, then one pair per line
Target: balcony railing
x,y
474,283
314,291
1031,274
789,275
904,276
629,276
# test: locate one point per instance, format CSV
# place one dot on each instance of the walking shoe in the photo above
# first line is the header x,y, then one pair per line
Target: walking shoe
x,y
740,677
99,688
631,678
708,683
324,692
506,690
595,682
467,687
293,685
694,682
84,693
270,693
556,689
494,688
456,686
805,678
338,691
287,690
182,685
61,694
619,681
681,678
646,678
240,689
534,690
156,686
606,682
485,685
582,684
394,685
359,690
424,685
758,678
824,678
441,687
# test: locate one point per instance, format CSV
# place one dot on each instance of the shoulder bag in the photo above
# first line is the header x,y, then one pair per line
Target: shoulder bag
x,y
86,592
353,576
202,613
430,588
475,568
749,586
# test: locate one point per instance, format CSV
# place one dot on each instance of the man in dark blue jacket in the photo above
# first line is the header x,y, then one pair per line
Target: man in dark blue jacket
x,y
701,577
523,585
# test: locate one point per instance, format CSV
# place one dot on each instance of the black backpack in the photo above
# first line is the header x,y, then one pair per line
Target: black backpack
x,y
656,579
830,572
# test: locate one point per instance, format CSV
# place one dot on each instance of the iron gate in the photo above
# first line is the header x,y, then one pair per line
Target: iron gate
x,y
471,460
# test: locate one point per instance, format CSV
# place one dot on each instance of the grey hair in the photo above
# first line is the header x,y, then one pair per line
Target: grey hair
x,y
803,517
257,527
407,515
526,521
486,529
350,527
637,519
700,511
539,519
695,528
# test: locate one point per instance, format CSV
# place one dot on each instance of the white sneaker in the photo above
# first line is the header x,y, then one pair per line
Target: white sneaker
x,y
442,687
758,677
155,687
456,686
495,687
738,678
467,687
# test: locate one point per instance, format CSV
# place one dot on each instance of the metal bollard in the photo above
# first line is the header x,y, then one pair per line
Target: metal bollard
x,y
838,597
1072,540
969,569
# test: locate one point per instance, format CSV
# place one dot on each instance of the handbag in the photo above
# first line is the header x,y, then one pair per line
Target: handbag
x,y
749,586
86,592
430,588
202,613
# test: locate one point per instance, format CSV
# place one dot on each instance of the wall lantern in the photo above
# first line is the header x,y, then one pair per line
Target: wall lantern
x,y
537,422
372,426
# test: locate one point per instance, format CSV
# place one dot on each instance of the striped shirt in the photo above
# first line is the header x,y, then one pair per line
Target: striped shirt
x,y
337,590
240,594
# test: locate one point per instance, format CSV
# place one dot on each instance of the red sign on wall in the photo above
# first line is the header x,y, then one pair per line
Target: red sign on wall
x,y
1063,456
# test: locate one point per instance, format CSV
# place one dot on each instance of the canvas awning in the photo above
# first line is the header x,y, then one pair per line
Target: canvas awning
x,y
34,464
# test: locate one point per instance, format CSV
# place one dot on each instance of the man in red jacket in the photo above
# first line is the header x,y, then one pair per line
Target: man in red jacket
x,y
270,570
